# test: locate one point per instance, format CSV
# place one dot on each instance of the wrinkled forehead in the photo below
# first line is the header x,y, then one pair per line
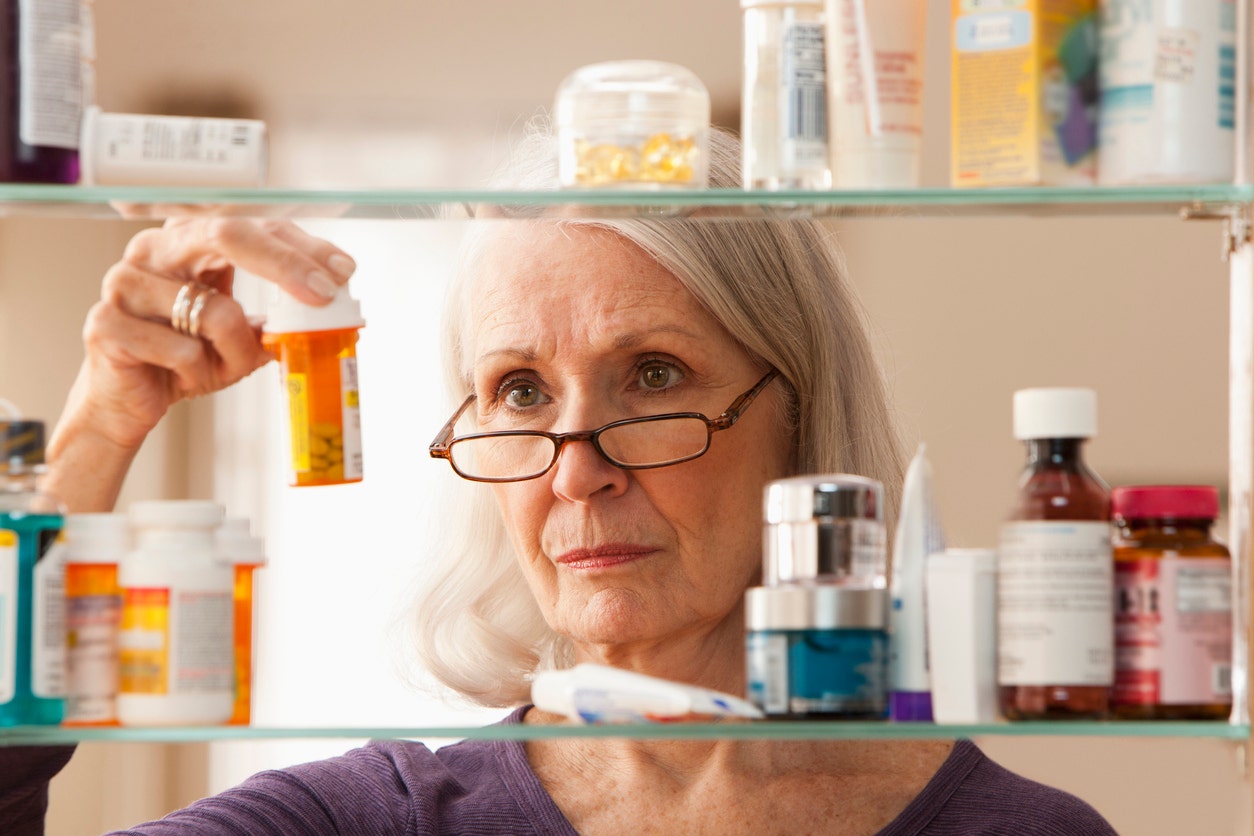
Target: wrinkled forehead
x,y
508,260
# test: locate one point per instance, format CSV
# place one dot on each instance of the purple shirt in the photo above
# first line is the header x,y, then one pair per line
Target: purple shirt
x,y
487,786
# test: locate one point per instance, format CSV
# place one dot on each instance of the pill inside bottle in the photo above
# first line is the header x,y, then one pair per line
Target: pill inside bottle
x,y
316,347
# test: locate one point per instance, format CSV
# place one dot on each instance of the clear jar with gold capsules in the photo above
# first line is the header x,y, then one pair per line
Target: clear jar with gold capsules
x,y
317,352
1173,605
633,124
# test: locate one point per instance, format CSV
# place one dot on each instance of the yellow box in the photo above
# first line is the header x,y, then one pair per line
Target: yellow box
x,y
1024,101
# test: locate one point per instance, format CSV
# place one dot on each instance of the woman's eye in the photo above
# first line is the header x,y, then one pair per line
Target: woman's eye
x,y
522,395
657,376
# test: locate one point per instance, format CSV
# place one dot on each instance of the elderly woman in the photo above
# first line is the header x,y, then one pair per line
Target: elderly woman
x,y
628,544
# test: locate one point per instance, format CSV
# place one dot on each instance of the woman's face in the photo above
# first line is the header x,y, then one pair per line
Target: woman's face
x,y
575,328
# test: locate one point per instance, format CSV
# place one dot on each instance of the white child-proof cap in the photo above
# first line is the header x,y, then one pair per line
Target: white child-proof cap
x,y
176,513
237,545
285,314
1057,412
96,538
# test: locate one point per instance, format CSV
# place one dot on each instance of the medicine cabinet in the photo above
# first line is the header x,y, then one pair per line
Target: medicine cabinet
x,y
1224,208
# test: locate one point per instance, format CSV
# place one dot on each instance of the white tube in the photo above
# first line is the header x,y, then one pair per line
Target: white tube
x,y
875,92
918,535
601,694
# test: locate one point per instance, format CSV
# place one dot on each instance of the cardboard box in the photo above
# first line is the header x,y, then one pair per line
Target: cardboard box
x,y
1024,92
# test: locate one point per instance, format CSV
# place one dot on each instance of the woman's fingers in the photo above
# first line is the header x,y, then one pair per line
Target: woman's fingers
x,y
305,266
234,347
150,357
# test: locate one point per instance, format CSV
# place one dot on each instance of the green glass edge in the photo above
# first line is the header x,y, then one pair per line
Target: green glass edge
x,y
784,730
172,200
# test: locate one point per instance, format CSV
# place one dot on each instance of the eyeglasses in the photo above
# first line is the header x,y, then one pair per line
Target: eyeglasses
x,y
632,443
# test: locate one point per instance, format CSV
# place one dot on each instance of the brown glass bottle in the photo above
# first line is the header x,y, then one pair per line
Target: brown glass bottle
x,y
1055,587
1173,605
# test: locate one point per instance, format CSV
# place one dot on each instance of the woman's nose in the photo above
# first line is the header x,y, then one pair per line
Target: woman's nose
x,y
581,473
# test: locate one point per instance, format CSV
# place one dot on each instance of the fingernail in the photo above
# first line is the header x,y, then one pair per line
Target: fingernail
x,y
342,266
322,284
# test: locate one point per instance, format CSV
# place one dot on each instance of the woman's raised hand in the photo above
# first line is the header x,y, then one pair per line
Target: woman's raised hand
x,y
148,346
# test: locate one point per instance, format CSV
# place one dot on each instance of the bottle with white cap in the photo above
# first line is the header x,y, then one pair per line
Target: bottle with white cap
x,y
1055,577
175,647
316,347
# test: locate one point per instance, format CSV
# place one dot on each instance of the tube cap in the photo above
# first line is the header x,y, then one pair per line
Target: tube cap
x,y
21,444
1055,413
285,314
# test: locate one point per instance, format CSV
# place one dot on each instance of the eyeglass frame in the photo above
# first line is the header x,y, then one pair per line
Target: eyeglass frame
x,y
441,447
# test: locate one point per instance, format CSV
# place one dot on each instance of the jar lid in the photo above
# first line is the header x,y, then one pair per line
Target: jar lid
x,y
285,314
96,538
1055,413
21,444
632,91
815,607
1178,502
175,513
823,497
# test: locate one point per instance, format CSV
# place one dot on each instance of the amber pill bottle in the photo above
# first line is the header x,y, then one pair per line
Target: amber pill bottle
x,y
1055,633
1173,605
316,347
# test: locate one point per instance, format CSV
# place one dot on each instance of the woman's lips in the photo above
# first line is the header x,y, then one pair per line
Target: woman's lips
x,y
604,557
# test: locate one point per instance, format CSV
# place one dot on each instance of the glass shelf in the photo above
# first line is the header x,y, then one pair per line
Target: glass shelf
x,y
784,730
150,203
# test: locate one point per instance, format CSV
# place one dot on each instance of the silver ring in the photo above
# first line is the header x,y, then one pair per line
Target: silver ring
x,y
198,306
180,314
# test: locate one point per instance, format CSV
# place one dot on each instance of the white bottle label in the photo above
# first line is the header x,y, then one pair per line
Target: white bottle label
x,y
803,97
1055,588
91,623
50,56
47,652
767,661
350,407
203,649
8,615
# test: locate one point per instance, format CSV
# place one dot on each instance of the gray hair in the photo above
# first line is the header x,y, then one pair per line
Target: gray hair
x,y
778,286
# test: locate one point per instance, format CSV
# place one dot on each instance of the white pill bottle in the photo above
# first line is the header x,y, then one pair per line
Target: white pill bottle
x,y
175,646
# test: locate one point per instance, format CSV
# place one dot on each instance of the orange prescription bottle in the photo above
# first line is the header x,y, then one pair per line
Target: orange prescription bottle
x,y
95,544
316,347
246,553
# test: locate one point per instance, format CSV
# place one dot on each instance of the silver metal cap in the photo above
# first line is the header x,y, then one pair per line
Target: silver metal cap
x,y
815,607
823,497
825,528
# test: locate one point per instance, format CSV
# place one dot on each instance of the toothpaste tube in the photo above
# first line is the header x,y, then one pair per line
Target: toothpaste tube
x,y
918,535
602,694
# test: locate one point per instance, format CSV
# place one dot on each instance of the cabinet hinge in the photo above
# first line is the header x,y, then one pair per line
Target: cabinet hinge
x,y
1236,224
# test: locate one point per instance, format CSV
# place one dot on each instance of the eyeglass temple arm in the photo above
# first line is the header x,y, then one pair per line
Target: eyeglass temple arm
x,y
439,446
732,414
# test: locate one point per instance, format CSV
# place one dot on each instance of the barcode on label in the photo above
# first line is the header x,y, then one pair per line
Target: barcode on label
x,y
807,114
1221,680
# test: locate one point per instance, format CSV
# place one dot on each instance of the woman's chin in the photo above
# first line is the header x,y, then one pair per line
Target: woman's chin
x,y
616,616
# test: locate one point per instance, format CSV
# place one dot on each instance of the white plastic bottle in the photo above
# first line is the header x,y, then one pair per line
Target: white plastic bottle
x,y
176,642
